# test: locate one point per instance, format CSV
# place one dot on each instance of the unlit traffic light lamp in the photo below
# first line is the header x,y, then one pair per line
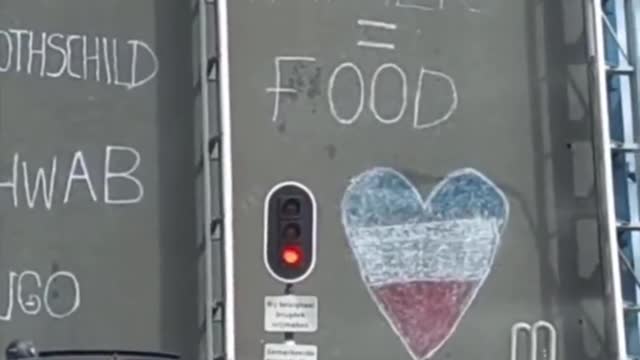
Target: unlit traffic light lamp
x,y
290,232
290,207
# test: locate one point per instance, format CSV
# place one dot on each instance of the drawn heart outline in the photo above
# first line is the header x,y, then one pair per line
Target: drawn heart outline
x,y
382,199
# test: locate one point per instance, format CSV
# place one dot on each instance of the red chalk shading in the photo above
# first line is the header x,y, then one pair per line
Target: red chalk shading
x,y
424,313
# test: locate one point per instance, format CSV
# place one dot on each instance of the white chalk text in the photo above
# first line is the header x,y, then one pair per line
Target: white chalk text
x,y
368,88
128,64
33,186
39,300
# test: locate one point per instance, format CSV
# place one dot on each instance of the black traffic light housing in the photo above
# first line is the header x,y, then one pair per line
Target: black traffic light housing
x,y
290,232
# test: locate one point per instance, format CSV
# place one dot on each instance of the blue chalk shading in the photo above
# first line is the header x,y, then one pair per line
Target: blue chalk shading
x,y
380,197
383,197
468,195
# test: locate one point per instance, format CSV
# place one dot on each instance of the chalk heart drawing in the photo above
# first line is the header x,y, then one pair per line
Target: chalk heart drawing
x,y
423,261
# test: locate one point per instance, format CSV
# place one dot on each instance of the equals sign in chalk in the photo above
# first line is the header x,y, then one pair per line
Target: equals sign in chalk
x,y
379,25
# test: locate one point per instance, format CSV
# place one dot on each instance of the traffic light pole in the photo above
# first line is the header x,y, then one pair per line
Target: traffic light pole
x,y
224,98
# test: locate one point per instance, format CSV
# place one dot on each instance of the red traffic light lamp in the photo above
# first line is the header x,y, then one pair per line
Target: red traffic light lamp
x,y
292,255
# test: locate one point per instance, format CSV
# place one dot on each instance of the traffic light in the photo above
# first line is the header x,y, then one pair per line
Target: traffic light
x,y
290,232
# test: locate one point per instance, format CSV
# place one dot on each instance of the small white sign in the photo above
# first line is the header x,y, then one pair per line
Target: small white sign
x,y
290,352
290,313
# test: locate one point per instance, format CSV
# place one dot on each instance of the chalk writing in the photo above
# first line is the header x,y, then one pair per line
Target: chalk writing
x,y
432,5
373,98
332,106
43,185
278,87
424,76
417,124
376,44
549,351
421,5
33,303
129,64
378,25
408,4
423,262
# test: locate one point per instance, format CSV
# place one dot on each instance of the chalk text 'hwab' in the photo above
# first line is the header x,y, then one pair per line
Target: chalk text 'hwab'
x,y
54,184
129,64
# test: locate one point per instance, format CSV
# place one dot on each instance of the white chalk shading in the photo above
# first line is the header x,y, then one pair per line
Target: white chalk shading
x,y
278,89
485,228
416,108
372,96
453,250
330,98
376,45
31,303
377,24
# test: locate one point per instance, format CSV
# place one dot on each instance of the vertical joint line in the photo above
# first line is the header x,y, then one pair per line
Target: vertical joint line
x,y
204,65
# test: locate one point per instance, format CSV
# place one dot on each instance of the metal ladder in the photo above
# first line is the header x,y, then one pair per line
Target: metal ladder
x,y
613,56
216,222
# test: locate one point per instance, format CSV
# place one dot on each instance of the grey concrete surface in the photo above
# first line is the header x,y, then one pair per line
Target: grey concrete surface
x,y
136,262
522,119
